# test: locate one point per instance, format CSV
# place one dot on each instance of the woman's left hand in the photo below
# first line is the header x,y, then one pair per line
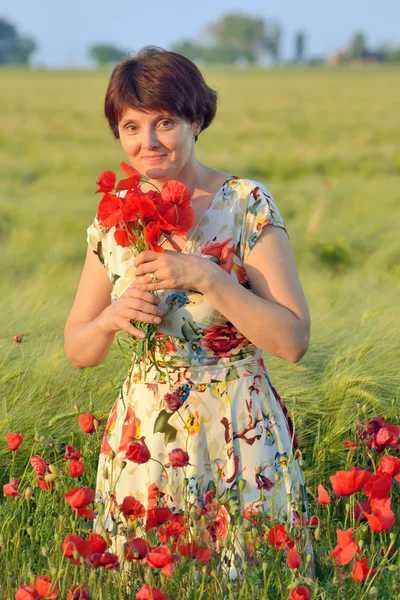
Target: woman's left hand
x,y
173,270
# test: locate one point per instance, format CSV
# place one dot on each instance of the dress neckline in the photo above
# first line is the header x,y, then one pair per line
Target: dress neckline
x,y
210,206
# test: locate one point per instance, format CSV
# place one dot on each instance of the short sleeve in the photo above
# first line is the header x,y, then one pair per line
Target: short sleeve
x,y
95,235
261,210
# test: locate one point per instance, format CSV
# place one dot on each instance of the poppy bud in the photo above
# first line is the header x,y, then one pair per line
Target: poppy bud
x,y
373,593
111,454
106,473
29,531
317,533
53,470
392,537
122,465
277,476
308,558
76,554
44,551
364,409
50,477
53,572
28,493
241,484
361,544
77,409
57,537
239,520
185,482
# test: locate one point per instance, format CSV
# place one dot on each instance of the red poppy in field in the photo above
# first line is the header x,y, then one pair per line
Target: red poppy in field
x,y
176,207
133,180
150,593
323,496
72,453
158,515
14,440
107,560
350,445
79,497
252,514
76,467
293,558
11,489
279,538
312,521
390,465
196,552
300,593
25,592
152,233
359,507
381,435
106,182
138,452
346,483
382,517
178,458
39,465
346,548
75,542
44,485
124,235
378,486
78,592
45,588
360,570
18,338
172,531
159,557
88,422
135,549
131,507
99,544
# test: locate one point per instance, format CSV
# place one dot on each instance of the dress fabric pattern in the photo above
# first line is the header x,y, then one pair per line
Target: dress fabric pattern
x,y
219,404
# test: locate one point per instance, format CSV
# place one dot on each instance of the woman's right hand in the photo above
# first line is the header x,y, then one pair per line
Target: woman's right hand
x,y
133,304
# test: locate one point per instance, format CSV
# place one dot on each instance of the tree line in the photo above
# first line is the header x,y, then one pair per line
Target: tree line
x,y
234,38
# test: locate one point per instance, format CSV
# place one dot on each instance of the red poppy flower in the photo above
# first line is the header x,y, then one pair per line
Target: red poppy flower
x,y
88,422
312,521
150,593
45,588
135,549
107,560
350,445
346,548
106,182
76,467
78,592
79,497
75,542
346,483
385,437
175,206
378,486
382,517
133,180
323,496
359,507
11,489
18,338
300,593
389,464
279,538
131,507
26,593
178,458
159,557
192,550
71,453
109,212
360,570
152,234
172,531
14,440
138,452
124,234
44,485
99,544
39,465
158,515
293,558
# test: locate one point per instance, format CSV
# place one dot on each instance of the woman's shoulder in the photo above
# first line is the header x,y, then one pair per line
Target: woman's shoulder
x,y
246,186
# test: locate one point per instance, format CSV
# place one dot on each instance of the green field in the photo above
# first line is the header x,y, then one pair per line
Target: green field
x,y
326,144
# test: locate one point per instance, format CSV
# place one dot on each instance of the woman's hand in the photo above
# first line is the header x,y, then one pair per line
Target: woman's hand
x,y
133,304
173,270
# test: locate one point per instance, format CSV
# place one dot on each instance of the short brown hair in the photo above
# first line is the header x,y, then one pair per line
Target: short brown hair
x,y
155,80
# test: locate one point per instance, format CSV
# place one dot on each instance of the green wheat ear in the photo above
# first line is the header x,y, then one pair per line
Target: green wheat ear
x,y
5,422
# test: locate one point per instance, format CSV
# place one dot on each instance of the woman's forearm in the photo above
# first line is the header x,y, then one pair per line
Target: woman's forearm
x,y
87,344
269,326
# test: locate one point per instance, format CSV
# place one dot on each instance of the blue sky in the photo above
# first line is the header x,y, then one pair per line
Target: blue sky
x,y
65,28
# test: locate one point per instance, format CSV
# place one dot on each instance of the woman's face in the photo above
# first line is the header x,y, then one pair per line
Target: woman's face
x,y
158,145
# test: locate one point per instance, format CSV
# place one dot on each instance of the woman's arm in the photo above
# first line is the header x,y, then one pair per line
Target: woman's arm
x,y
93,320
275,317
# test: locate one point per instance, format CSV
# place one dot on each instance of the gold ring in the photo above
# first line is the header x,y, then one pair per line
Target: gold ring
x,y
154,278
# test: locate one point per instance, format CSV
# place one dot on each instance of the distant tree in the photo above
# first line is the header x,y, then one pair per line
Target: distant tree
x,y
272,39
187,48
299,46
358,46
104,54
14,49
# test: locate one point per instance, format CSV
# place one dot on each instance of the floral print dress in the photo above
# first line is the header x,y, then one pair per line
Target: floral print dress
x,y
219,404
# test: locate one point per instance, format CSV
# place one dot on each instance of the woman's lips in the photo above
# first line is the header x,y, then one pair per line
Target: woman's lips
x,y
154,158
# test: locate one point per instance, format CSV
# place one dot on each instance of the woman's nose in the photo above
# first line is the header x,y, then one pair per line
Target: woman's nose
x,y
149,139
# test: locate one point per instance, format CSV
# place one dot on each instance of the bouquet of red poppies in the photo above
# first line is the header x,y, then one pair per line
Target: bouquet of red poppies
x,y
140,219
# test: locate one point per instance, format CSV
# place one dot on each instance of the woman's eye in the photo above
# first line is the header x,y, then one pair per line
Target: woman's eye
x,y
166,122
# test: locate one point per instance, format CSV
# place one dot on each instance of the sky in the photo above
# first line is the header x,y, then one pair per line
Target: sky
x,y
65,28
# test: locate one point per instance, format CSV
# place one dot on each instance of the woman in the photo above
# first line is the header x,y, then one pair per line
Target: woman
x,y
226,293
